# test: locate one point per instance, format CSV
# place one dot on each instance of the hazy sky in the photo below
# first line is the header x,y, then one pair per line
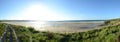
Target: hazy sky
x,y
59,9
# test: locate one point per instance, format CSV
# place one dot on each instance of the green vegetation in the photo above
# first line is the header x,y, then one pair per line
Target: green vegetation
x,y
108,33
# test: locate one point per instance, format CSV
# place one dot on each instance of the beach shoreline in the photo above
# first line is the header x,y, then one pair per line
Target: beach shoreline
x,y
61,27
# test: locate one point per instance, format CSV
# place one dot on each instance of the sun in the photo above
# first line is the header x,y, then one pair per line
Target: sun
x,y
39,12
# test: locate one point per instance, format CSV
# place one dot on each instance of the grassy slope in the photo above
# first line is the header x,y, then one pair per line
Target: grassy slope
x,y
109,33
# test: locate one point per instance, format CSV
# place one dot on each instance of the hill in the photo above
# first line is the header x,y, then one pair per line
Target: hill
x,y
110,32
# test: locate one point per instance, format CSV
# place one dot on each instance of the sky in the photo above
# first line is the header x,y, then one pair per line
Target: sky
x,y
59,9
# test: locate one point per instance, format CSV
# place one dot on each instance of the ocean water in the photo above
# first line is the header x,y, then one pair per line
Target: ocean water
x,y
59,26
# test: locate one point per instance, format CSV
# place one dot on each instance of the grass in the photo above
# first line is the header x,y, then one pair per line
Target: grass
x,y
110,32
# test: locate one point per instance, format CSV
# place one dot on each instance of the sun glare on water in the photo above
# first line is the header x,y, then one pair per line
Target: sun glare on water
x,y
38,25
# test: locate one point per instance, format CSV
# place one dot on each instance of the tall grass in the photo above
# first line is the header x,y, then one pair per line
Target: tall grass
x,y
108,33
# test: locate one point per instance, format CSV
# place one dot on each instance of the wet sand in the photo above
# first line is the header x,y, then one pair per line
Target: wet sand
x,y
72,26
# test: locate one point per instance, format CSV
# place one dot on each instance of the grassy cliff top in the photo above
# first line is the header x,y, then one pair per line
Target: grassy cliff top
x,y
110,32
